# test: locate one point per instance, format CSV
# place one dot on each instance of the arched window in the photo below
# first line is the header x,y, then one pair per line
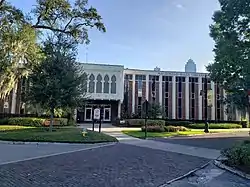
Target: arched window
x,y
113,84
99,84
106,84
91,83
85,82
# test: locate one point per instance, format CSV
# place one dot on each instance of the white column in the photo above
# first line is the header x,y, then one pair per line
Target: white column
x,y
13,103
160,90
173,97
187,96
133,94
238,116
119,109
213,101
147,88
200,98
225,106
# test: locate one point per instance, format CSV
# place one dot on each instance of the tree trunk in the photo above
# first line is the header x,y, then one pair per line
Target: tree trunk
x,y
51,119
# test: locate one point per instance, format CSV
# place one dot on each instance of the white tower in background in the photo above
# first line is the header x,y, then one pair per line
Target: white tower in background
x,y
190,66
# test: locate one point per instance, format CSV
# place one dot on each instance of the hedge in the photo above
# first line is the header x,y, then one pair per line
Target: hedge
x,y
158,128
141,122
215,126
34,122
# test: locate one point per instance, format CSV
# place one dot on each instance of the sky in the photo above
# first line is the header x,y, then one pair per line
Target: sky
x,y
144,34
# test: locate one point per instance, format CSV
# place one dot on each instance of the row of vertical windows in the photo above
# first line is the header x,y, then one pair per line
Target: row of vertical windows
x,y
99,84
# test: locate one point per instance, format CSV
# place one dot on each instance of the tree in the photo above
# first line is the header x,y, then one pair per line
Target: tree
x,y
58,82
19,34
231,67
155,110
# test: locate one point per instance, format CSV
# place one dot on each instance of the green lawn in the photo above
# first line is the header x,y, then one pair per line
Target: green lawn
x,y
66,135
140,134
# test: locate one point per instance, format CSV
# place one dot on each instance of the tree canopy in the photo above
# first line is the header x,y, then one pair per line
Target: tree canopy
x,y
21,35
231,33
59,81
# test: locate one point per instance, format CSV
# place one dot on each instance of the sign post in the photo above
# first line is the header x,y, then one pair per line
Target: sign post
x,y
145,109
97,116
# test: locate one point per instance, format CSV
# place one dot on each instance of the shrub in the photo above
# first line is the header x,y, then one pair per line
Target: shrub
x,y
178,123
57,122
135,122
153,129
238,155
4,121
175,128
215,126
141,122
23,121
155,122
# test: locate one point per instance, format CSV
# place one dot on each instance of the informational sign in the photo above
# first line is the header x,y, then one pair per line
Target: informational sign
x,y
6,105
97,114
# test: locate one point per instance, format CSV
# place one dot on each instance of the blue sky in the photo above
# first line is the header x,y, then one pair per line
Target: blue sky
x,y
148,33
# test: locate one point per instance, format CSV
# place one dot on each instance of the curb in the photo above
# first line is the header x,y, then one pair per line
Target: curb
x,y
185,175
50,143
232,170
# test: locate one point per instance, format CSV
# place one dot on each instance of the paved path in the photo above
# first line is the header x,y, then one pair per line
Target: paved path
x,y
14,153
216,141
120,165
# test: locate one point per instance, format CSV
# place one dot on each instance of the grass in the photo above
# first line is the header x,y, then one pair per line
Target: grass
x,y
41,134
140,134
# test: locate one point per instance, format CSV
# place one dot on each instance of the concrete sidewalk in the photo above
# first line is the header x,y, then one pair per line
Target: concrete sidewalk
x,y
168,147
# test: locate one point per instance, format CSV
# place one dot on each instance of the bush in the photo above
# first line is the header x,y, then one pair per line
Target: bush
x,y
141,122
153,129
57,122
175,128
4,121
178,123
23,121
215,126
238,155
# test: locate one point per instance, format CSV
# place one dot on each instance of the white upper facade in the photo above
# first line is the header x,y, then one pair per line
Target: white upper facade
x,y
104,82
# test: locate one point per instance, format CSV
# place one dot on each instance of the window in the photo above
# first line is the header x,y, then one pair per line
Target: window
x,y
153,77
193,103
139,100
91,83
179,102
166,86
85,82
139,85
192,87
179,95
193,96
192,113
179,113
166,111
129,77
166,94
180,87
140,77
99,84
106,84
113,84
166,101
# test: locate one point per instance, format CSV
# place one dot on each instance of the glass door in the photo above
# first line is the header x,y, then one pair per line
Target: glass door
x,y
107,114
88,114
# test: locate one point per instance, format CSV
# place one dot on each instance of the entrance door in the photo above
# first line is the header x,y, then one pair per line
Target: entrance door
x,y
107,114
88,114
